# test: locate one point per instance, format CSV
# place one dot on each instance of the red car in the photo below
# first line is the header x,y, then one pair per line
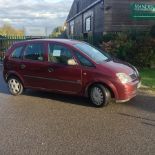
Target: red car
x,y
70,67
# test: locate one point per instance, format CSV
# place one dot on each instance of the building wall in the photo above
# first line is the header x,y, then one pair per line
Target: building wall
x,y
97,21
82,4
78,25
117,15
113,16
99,18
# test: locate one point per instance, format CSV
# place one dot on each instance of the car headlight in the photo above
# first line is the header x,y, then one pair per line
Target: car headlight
x,y
124,78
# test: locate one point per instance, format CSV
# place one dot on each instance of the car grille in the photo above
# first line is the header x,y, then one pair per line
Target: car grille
x,y
133,76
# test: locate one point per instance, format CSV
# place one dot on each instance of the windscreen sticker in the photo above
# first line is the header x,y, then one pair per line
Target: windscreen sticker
x,y
56,53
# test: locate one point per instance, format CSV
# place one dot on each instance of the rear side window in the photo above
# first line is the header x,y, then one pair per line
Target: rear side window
x,y
34,52
17,53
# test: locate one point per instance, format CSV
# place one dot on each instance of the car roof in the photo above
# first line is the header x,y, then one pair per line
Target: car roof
x,y
64,41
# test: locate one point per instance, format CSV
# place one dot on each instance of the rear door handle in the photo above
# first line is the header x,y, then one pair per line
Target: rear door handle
x,y
50,69
22,66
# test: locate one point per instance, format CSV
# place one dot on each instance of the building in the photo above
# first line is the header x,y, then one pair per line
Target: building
x,y
97,17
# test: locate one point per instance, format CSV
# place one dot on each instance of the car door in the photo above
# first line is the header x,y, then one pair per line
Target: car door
x,y
15,59
88,69
64,74
33,67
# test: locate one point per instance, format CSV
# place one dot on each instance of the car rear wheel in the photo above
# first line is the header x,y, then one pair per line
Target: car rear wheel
x,y
15,86
99,95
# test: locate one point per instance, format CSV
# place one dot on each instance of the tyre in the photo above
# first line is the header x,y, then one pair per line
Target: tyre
x,y
99,95
15,86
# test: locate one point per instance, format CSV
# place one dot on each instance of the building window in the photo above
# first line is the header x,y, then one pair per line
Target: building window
x,y
88,24
72,28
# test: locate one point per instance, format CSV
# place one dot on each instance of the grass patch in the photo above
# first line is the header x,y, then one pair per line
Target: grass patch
x,y
148,77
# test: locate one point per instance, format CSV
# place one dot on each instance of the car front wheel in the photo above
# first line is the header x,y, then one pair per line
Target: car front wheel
x,y
99,95
15,86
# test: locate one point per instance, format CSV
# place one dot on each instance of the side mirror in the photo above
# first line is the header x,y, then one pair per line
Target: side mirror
x,y
71,62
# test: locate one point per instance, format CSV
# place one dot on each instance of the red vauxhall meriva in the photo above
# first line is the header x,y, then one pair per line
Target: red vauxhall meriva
x,y
71,67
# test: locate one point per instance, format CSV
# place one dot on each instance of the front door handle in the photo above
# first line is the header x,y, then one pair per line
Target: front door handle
x,y
22,66
50,69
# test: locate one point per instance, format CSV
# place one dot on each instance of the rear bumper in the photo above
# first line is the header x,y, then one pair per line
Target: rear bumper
x,y
127,91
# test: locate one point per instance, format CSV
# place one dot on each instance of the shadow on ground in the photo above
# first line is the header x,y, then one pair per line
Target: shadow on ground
x,y
69,99
143,102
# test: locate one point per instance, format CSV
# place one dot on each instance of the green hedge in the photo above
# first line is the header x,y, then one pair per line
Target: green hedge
x,y
135,47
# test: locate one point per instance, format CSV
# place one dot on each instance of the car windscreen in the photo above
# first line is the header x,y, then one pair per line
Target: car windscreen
x,y
95,54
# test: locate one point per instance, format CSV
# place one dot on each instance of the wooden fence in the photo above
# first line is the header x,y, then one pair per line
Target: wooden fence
x,y
6,42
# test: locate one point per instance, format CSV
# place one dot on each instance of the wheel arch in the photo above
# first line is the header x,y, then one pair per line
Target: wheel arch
x,y
109,86
13,74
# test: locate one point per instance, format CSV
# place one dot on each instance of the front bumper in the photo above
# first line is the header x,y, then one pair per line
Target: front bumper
x,y
127,91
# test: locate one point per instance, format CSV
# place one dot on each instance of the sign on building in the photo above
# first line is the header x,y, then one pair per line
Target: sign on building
x,y
143,11
35,31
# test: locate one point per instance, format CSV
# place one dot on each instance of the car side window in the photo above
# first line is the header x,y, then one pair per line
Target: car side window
x,y
84,61
59,54
34,52
17,53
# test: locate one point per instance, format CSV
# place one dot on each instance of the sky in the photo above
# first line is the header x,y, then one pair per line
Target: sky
x,y
45,13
